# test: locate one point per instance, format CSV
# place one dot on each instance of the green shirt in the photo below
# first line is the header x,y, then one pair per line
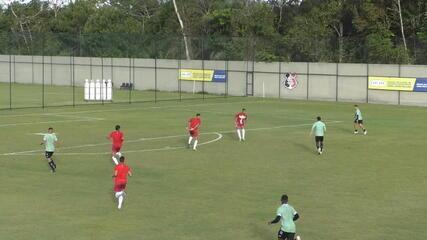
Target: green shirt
x,y
287,213
358,115
49,140
319,128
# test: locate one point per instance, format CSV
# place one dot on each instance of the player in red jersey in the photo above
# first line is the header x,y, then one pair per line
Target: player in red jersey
x,y
117,139
121,173
193,129
240,121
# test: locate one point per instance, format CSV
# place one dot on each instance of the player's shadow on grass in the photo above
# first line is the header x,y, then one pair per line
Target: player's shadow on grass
x,y
261,232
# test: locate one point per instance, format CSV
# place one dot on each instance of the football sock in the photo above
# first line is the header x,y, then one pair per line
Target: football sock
x,y
321,146
239,134
243,133
115,160
195,144
190,139
119,154
53,163
120,202
51,166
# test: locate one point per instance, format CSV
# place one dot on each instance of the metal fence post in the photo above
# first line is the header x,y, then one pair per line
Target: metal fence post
x,y
336,82
280,74
226,78
179,70
133,75
155,79
73,73
10,81
367,83
102,78
130,81
308,80
203,69
398,92
43,41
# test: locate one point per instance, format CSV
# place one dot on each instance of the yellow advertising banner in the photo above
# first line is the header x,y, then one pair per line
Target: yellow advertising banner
x,y
392,83
196,75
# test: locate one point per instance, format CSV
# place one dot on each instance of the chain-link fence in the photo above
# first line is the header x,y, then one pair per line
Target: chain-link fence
x,y
45,69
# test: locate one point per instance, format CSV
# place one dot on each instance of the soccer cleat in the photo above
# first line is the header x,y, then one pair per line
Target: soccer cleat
x,y
356,132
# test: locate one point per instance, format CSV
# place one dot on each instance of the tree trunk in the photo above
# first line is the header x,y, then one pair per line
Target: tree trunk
x,y
399,8
181,23
341,42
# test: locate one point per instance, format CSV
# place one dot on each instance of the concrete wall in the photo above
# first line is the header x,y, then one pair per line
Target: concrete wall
x,y
316,81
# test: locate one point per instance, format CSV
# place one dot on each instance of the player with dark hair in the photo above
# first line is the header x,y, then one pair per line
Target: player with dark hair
x,y
240,121
117,138
49,141
121,173
358,121
288,215
319,129
193,130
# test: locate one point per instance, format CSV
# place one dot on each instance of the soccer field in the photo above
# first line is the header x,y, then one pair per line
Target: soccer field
x,y
362,187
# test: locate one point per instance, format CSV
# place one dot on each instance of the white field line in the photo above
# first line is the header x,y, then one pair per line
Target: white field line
x,y
76,119
46,122
29,153
32,152
130,109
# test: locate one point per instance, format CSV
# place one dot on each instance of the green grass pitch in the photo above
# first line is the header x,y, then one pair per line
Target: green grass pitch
x,y
362,187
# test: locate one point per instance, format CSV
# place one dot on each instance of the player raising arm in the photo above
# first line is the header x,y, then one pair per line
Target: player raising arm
x,y
193,130
358,121
49,141
288,215
319,129
117,138
121,173
240,121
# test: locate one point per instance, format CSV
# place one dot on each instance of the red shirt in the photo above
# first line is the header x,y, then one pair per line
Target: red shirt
x,y
241,118
116,137
194,123
122,173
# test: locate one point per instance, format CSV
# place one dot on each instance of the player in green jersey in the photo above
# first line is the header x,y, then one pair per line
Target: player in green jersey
x,y
358,121
319,129
49,141
288,215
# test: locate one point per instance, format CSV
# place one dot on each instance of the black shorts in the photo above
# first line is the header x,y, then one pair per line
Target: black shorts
x,y
48,154
358,121
285,235
318,138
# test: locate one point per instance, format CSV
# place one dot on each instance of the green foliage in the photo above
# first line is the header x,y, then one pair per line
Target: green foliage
x,y
287,30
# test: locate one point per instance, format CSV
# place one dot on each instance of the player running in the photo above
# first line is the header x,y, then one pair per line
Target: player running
x,y
121,173
288,215
49,141
117,139
319,129
240,121
193,129
358,121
